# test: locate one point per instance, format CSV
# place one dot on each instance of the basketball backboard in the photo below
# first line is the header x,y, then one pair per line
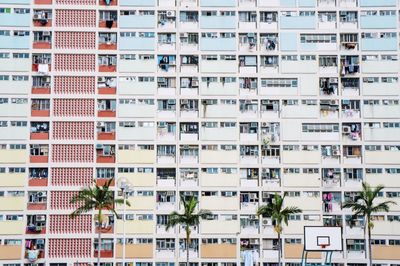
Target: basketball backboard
x,y
323,238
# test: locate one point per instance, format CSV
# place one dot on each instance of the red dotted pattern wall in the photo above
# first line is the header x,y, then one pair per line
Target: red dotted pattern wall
x,y
75,62
74,107
61,176
61,200
73,130
64,224
75,18
72,153
74,85
74,40
70,248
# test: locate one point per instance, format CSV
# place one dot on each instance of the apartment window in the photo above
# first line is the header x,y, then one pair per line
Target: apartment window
x,y
320,128
394,242
165,244
318,38
328,61
392,170
282,83
105,173
355,244
373,170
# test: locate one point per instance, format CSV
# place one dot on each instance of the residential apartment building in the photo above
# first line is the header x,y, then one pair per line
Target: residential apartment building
x,y
227,100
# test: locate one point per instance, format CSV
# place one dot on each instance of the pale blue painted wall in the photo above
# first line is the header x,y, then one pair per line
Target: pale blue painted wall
x,y
218,44
137,43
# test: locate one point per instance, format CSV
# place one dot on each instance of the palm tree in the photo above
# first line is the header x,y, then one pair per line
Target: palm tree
x,y
188,218
278,214
363,205
96,198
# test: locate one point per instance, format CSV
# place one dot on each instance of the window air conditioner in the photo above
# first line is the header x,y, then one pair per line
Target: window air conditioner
x,y
195,83
170,14
40,218
346,129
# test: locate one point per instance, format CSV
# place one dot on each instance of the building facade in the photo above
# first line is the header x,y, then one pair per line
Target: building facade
x,y
227,100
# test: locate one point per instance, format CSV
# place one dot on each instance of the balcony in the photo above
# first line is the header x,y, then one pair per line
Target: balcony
x,y
108,2
39,159
103,181
42,18
35,229
105,154
43,2
38,182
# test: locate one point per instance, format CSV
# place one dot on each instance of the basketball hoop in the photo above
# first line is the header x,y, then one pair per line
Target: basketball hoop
x,y
323,246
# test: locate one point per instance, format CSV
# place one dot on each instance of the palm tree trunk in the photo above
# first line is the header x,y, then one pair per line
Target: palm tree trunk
x,y
279,249
187,244
369,246
99,220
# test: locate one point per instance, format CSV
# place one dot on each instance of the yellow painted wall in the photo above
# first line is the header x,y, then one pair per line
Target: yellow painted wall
x,y
301,180
219,180
136,227
136,156
140,179
219,203
297,227
219,227
12,227
140,203
305,157
389,180
382,157
386,228
12,180
12,203
13,156
305,203
218,157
